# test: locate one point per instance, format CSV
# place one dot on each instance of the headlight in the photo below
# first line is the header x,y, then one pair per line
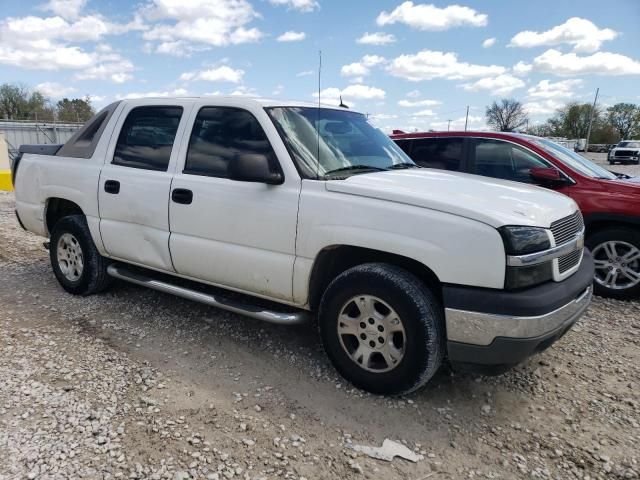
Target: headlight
x,y
522,241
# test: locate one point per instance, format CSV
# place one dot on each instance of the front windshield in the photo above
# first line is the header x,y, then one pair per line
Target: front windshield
x,y
629,144
573,160
325,141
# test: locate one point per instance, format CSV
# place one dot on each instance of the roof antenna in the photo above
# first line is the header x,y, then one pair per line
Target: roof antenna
x,y
342,105
318,113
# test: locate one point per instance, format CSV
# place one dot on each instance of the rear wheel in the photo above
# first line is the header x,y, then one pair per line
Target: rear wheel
x,y
382,328
75,260
616,254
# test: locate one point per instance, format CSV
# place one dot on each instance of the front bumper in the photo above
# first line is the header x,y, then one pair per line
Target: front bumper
x,y
497,328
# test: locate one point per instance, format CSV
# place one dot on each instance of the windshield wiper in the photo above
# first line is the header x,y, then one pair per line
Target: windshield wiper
x,y
355,167
402,166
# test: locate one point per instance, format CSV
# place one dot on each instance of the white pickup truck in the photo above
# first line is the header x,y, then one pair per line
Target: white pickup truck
x,y
286,211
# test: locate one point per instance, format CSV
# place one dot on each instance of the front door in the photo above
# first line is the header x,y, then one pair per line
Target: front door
x,y
233,233
135,182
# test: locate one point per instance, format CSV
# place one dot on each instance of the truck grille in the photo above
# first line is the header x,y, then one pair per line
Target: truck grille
x,y
568,261
566,228
624,153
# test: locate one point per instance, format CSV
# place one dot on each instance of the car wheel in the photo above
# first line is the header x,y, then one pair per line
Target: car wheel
x,y
382,328
616,254
75,260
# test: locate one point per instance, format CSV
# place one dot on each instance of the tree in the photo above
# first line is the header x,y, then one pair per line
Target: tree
x,y
75,110
13,101
506,115
572,120
624,117
17,102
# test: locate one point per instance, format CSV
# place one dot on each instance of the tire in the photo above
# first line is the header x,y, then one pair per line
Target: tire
x,y
392,293
609,245
75,260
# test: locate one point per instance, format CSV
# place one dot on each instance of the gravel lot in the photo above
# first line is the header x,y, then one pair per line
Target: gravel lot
x,y
136,384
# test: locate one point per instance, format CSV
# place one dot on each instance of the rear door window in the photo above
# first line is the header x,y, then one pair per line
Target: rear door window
x,y
441,153
147,137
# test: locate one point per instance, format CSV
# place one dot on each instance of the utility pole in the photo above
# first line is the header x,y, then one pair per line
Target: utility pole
x,y
593,111
466,119
449,125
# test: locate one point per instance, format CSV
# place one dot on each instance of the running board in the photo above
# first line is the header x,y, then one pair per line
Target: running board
x,y
253,311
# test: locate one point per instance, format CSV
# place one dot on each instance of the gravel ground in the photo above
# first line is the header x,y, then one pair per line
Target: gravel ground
x,y
136,384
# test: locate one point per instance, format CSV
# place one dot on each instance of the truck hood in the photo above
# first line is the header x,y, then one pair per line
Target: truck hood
x,y
491,201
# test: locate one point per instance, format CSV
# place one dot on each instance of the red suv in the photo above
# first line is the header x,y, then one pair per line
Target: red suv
x,y
610,202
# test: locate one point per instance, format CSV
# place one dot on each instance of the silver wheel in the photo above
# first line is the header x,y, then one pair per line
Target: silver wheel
x,y
70,257
371,333
617,264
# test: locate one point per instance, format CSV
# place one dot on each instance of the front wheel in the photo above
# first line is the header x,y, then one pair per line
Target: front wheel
x,y
75,260
616,254
382,328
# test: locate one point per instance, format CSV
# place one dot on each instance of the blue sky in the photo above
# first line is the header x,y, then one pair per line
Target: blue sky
x,y
410,65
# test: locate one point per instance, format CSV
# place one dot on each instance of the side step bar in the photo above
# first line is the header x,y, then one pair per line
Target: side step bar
x,y
253,311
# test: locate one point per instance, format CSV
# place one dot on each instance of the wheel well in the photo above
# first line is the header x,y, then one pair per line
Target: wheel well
x,y
58,208
332,261
599,225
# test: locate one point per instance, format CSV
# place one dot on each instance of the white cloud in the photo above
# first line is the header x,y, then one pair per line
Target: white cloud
x,y
69,9
182,27
305,73
474,123
413,94
583,34
332,95
499,85
430,17
418,103
33,42
377,38
115,68
223,73
278,90
291,36
363,67
55,90
428,64
427,112
547,89
522,68
600,63
489,42
300,5
542,107
244,91
178,92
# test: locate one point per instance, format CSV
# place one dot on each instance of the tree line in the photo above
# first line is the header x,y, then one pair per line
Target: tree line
x,y
610,125
18,102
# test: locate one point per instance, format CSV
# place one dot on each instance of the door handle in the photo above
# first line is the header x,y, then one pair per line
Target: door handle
x,y
182,195
112,186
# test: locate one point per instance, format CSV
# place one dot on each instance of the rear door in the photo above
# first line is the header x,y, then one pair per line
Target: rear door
x,y
444,153
135,182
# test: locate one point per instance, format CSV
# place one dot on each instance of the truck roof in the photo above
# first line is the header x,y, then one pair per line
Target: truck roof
x,y
242,100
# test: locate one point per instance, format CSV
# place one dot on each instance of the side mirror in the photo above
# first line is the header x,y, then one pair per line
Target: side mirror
x,y
254,167
546,175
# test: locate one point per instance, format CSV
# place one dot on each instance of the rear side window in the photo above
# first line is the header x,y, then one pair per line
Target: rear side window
x,y
221,134
146,138
441,153
499,159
